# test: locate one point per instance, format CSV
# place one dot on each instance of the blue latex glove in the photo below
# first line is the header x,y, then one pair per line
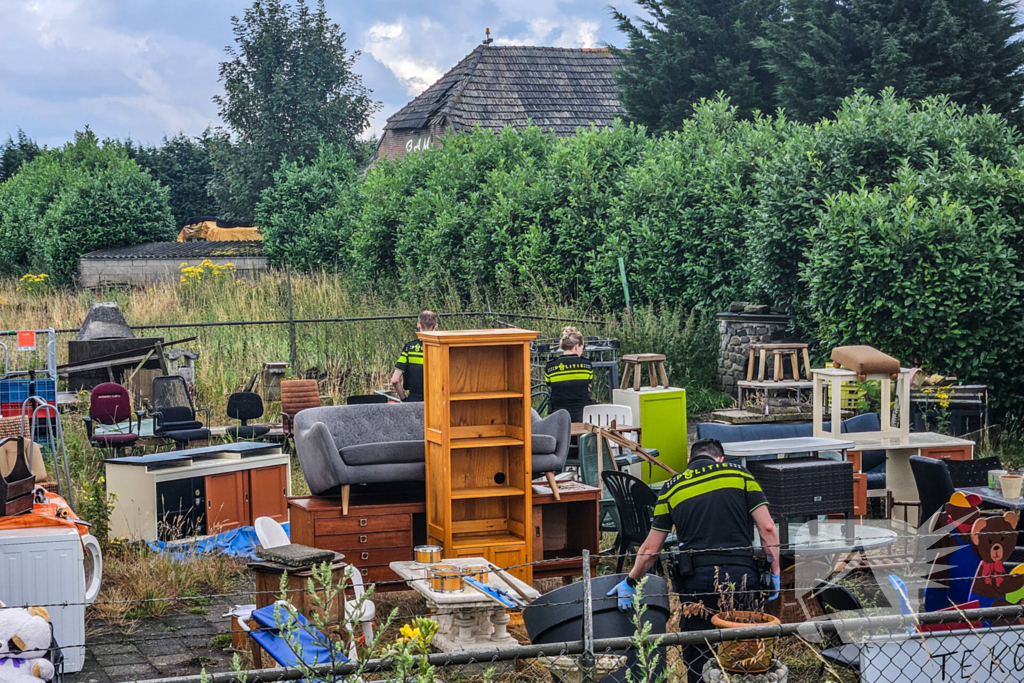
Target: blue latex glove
x,y
625,595
777,585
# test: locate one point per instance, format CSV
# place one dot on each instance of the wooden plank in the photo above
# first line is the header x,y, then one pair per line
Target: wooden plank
x,y
750,365
636,377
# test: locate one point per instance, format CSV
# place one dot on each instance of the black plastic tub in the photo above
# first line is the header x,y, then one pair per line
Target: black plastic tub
x,y
558,616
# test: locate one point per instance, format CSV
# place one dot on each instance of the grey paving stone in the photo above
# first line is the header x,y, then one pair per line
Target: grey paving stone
x,y
162,646
110,661
83,676
170,664
103,650
205,630
131,672
183,620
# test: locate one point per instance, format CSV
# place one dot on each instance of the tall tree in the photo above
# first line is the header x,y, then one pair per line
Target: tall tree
x,y
967,49
289,86
14,153
183,164
687,50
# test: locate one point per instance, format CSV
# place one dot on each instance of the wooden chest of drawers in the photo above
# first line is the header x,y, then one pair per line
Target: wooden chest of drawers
x,y
370,537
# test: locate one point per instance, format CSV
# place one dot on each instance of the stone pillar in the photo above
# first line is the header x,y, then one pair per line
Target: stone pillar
x,y
737,331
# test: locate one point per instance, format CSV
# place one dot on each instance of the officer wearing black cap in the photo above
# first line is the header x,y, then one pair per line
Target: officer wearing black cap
x,y
714,507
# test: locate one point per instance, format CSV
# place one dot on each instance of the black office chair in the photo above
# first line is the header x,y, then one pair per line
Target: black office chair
x,y
835,598
174,415
244,406
934,485
965,473
635,502
363,399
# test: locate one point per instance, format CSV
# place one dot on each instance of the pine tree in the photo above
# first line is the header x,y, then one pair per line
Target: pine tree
x,y
687,50
966,49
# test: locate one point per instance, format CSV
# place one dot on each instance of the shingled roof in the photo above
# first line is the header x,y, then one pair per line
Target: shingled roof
x,y
496,86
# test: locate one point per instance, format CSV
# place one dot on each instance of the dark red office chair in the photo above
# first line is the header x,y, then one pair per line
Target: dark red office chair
x,y
110,404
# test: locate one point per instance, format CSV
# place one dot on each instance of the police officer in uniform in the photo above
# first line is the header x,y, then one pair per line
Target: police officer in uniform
x,y
569,376
714,507
407,378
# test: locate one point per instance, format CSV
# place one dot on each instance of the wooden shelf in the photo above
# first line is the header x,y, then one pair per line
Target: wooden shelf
x,y
485,395
486,492
485,442
485,540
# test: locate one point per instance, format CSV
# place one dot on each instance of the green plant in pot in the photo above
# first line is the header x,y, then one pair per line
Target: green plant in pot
x,y
738,608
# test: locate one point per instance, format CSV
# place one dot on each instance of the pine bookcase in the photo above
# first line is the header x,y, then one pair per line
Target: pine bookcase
x,y
477,414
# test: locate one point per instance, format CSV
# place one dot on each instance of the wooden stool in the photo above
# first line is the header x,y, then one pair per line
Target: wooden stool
x,y
779,351
655,367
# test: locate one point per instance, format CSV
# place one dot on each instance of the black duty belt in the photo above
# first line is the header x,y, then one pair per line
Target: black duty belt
x,y
712,560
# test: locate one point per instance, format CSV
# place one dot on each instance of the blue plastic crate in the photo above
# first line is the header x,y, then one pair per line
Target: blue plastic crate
x,y
13,390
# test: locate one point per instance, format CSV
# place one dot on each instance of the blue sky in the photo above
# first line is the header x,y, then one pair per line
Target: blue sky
x,y
146,68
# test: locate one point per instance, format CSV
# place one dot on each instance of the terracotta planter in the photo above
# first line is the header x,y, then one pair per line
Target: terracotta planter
x,y
745,656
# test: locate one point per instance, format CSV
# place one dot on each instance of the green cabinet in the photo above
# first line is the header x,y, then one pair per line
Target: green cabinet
x,y
661,414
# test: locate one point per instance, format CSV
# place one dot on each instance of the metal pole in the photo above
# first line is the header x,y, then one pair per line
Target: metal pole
x,y
587,661
291,323
625,284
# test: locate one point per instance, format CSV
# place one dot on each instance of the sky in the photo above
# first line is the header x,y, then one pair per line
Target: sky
x,y
149,68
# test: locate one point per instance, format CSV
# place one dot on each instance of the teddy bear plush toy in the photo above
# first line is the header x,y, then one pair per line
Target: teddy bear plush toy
x,y
24,640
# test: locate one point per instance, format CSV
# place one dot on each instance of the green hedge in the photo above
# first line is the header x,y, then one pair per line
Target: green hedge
x,y
76,199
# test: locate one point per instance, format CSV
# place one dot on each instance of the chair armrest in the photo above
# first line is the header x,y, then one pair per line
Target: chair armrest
x,y
286,422
139,414
158,418
319,458
88,426
205,411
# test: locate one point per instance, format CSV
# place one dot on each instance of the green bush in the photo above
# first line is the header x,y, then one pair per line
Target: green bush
x,y
912,272
306,216
77,199
867,143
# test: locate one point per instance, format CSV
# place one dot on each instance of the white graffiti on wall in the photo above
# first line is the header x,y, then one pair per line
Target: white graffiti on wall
x,y
421,144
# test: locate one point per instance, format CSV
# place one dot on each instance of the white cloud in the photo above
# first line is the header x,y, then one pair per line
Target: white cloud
x,y
393,45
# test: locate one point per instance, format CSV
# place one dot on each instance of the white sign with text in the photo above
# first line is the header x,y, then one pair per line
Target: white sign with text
x,y
981,656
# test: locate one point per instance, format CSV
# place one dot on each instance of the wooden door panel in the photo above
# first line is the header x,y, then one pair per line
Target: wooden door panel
x,y
225,502
268,487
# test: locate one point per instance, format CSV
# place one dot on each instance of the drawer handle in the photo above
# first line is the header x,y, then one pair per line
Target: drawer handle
x,y
209,504
365,556
362,522
364,572
362,539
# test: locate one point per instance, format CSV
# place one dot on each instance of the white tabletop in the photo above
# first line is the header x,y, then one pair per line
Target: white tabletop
x,y
800,444
831,538
416,574
915,440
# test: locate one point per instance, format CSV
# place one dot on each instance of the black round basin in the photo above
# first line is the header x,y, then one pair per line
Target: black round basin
x,y
558,616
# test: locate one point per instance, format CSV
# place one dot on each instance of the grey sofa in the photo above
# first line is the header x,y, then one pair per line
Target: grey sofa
x,y
550,444
360,444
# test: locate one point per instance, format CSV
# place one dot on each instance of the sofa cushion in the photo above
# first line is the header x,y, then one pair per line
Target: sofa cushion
x,y
543,444
876,477
353,425
389,452
865,360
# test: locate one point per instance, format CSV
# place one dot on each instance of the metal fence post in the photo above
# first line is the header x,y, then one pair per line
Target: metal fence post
x,y
587,660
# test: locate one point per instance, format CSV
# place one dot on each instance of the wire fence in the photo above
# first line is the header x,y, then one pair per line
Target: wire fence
x,y
885,639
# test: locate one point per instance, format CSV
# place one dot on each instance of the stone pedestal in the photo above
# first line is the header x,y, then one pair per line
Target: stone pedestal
x,y
736,332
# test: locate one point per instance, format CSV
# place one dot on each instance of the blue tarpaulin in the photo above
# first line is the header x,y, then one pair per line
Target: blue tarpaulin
x,y
240,542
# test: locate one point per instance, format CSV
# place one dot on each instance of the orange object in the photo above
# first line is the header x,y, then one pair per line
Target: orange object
x,y
26,340
56,512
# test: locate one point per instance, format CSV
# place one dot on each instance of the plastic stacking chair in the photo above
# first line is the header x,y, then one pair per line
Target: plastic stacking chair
x,y
110,404
270,533
244,406
607,513
311,646
934,485
367,610
635,502
835,598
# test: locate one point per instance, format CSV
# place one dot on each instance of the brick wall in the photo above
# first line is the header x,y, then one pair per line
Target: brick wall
x,y
122,271
398,143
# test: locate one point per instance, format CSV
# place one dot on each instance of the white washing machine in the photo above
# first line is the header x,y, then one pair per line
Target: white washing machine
x,y
46,566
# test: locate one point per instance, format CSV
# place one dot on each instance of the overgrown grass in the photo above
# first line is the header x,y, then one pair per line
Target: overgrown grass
x,y
137,582
350,358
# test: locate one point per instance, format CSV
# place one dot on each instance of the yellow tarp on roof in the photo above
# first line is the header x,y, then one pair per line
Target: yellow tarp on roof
x,y
208,230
